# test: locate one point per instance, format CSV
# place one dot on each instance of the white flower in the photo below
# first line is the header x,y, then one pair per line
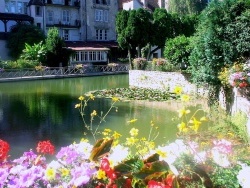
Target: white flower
x,y
118,154
243,176
220,159
54,164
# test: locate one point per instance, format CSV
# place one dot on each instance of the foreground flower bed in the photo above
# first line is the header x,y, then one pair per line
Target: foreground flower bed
x,y
193,160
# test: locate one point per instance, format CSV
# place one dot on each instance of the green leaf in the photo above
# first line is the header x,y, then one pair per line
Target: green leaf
x,y
101,148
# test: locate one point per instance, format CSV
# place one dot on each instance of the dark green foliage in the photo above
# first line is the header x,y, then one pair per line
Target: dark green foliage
x,y
21,34
221,39
177,50
57,54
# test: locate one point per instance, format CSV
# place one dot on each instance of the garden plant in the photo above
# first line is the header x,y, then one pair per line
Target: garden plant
x,y
195,159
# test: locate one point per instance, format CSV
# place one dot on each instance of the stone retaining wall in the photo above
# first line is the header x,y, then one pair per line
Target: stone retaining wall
x,y
168,80
163,81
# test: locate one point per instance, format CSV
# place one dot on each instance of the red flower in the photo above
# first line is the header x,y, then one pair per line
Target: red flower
x,y
155,184
169,180
4,149
105,166
45,147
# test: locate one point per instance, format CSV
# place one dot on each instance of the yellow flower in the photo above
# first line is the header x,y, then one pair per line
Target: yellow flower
x,y
183,112
152,123
84,140
81,98
134,132
178,90
65,172
185,98
196,124
131,141
115,99
132,121
91,96
101,174
116,135
50,173
203,118
182,127
77,105
94,113
162,154
151,145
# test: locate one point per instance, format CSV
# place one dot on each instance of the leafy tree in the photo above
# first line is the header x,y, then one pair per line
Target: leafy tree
x,y
133,28
177,50
21,34
36,52
183,7
57,54
221,39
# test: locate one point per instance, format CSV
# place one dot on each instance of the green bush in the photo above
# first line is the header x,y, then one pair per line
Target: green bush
x,y
177,51
139,63
160,64
18,64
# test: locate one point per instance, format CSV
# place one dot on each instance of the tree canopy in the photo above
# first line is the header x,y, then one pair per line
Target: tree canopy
x,y
57,54
222,38
21,34
183,7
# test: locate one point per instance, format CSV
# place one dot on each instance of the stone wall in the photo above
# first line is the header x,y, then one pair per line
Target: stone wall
x,y
163,81
168,80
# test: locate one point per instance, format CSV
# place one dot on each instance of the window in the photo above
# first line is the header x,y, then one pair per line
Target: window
x,y
105,16
103,2
88,56
101,15
22,7
101,34
38,25
38,11
65,17
50,17
66,34
12,7
98,15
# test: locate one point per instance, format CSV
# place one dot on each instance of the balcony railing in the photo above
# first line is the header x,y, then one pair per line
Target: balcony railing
x,y
73,3
54,72
72,23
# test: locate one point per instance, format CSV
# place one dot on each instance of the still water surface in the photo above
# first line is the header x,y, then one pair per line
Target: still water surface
x,y
31,111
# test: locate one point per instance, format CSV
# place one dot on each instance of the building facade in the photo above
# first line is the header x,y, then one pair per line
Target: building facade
x,y
87,26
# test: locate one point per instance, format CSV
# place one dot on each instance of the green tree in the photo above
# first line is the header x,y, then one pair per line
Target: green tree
x,y
177,50
57,54
21,34
221,39
133,28
183,7
36,52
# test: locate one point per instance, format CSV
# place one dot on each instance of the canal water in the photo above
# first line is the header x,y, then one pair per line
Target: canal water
x,y
31,111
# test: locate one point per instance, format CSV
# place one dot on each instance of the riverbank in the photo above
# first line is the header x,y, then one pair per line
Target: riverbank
x,y
46,77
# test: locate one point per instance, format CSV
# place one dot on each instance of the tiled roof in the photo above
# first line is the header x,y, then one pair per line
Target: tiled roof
x,y
91,44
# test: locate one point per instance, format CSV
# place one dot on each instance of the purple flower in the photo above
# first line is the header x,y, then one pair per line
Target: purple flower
x,y
67,154
82,174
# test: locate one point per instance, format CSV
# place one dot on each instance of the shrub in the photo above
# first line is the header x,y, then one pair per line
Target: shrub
x,y
177,51
18,64
160,64
139,63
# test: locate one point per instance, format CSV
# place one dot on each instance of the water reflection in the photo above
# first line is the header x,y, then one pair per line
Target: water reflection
x,y
31,111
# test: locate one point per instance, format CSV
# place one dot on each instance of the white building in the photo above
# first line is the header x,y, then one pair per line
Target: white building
x,y
87,26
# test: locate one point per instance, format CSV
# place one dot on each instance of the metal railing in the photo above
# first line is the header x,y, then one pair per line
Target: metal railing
x,y
63,71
